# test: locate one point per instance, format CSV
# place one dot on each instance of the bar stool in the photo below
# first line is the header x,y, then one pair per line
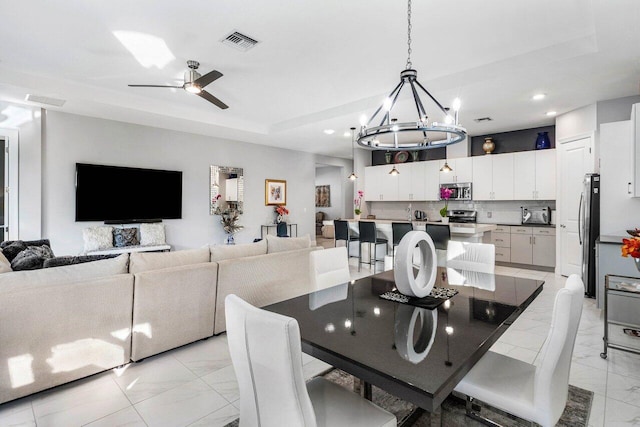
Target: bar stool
x,y
368,234
440,234
398,230
341,232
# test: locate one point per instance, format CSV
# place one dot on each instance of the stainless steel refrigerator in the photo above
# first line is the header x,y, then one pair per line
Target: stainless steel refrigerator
x,y
589,230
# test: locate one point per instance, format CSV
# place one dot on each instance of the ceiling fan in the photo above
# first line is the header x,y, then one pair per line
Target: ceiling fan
x,y
194,83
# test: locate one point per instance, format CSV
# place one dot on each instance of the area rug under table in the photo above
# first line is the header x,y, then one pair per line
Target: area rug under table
x,y
576,413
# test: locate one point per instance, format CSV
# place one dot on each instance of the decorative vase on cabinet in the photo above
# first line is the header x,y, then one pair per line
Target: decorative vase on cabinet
x,y
542,141
488,145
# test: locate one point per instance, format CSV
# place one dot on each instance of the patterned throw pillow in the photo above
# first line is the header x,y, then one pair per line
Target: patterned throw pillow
x,y
152,234
96,238
31,258
125,237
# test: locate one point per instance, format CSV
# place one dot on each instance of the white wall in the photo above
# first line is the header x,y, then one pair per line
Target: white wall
x,y
333,177
71,138
579,122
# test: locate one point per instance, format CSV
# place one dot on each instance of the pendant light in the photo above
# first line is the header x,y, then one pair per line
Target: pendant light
x,y
353,175
446,168
413,133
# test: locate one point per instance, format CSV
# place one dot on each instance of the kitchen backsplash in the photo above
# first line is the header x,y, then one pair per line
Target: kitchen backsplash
x,y
499,212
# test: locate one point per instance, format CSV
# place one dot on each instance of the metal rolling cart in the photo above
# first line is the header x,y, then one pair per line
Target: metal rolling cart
x,y
621,314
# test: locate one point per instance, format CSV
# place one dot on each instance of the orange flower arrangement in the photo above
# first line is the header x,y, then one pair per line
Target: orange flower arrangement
x,y
631,247
281,210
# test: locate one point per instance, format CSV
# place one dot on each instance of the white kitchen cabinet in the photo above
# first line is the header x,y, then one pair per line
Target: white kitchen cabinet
x,y
411,181
635,152
493,177
545,175
379,185
431,180
462,170
482,181
535,175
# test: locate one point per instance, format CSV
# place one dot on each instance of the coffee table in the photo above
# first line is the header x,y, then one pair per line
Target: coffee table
x,y
416,354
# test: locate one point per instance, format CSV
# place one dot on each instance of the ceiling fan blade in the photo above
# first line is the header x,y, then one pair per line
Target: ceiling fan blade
x,y
202,81
175,87
206,95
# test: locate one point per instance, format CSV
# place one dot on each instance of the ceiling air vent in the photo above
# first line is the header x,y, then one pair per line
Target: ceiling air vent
x,y
239,41
483,119
45,100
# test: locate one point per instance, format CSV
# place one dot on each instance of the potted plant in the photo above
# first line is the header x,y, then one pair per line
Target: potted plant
x,y
357,204
229,219
445,194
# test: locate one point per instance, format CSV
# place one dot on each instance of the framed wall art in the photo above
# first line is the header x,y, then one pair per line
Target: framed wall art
x,y
275,192
323,196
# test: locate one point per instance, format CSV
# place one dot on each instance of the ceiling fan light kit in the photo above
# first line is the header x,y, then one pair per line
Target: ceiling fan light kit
x,y
390,134
194,83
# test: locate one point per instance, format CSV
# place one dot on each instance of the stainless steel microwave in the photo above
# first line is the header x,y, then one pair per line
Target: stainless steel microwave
x,y
460,190
536,215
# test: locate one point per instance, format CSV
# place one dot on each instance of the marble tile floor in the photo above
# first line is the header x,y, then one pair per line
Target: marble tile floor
x,y
195,385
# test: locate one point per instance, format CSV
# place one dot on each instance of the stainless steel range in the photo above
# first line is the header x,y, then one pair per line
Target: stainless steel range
x,y
462,215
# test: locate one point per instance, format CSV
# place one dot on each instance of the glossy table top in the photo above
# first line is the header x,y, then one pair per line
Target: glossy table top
x,y
416,354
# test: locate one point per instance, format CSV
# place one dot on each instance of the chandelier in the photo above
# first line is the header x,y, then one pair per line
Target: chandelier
x,y
418,134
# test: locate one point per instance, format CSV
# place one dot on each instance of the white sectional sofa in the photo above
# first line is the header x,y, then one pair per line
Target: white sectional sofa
x,y
64,323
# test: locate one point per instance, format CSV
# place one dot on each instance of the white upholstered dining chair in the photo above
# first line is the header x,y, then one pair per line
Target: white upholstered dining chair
x,y
534,393
329,267
267,358
479,257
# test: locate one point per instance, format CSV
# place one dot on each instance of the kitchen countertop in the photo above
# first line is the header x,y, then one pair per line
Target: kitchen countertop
x,y
613,239
530,225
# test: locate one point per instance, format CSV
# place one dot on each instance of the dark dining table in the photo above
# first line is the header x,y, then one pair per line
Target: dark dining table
x,y
416,354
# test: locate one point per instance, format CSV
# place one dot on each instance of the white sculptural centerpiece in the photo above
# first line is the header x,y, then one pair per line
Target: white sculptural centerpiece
x,y
405,329
407,282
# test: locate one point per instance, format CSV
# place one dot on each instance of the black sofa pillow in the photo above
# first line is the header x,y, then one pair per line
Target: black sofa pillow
x,y
11,248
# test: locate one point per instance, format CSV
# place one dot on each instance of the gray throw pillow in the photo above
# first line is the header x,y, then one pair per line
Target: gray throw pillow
x,y
31,258
125,237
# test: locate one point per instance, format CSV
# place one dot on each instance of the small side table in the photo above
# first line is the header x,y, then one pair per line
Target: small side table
x,y
621,314
264,229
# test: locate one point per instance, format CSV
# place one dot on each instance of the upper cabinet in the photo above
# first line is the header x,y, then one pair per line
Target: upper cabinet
x,y
493,177
527,175
535,175
462,170
635,154
379,185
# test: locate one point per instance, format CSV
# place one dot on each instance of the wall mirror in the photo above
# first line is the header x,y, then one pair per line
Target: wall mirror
x,y
226,189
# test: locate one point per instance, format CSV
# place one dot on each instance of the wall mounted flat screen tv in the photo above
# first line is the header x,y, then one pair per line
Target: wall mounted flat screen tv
x,y
119,194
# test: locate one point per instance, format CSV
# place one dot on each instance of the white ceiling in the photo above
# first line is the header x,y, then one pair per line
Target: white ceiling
x,y
321,64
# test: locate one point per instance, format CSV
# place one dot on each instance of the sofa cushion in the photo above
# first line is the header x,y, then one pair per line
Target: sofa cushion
x,y
125,237
68,274
152,234
96,238
145,261
72,260
13,249
39,242
5,265
31,258
219,253
281,244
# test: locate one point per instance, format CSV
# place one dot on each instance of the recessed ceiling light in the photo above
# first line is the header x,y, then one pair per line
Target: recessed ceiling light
x,y
551,113
538,96
329,131
346,134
